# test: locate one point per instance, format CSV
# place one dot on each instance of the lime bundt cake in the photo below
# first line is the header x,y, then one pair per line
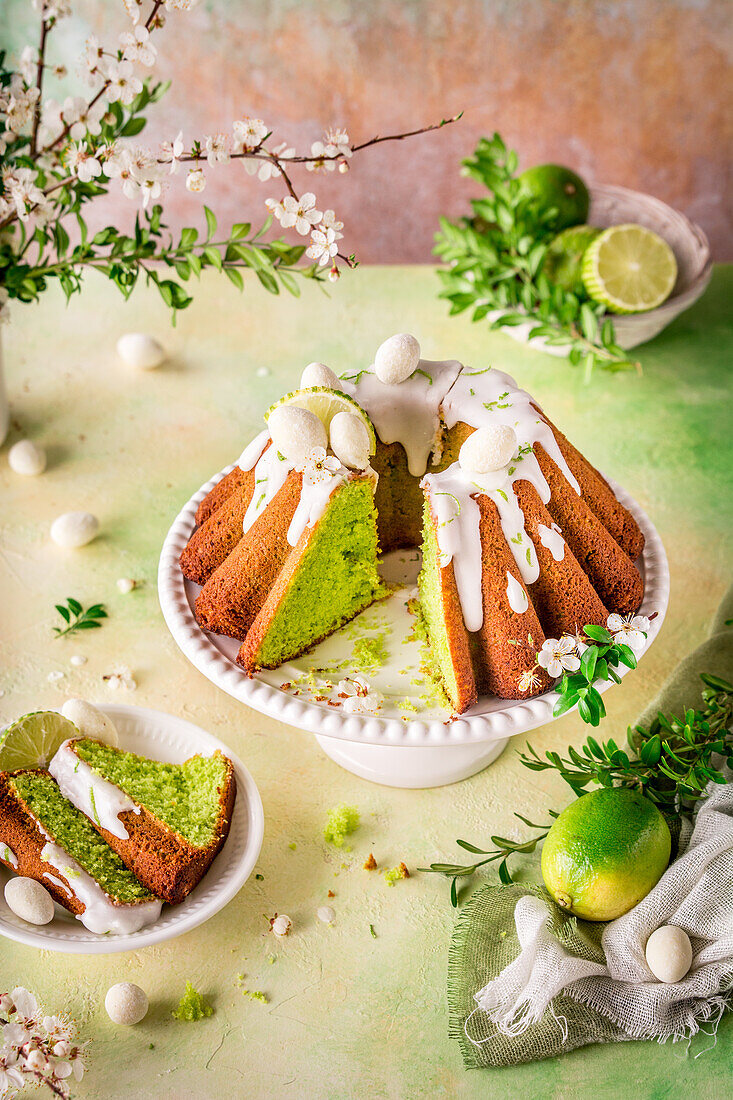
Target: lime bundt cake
x,y
522,538
165,822
43,836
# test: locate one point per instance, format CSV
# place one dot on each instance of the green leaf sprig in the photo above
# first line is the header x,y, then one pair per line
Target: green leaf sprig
x,y
671,763
598,663
495,262
76,618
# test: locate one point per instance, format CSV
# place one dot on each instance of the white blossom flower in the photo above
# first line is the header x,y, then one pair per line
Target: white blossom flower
x,y
138,172
321,152
249,133
137,47
267,169
195,180
91,59
82,117
328,221
83,162
630,630
360,698
52,9
218,148
300,213
180,5
132,7
334,274
323,247
18,104
123,84
27,66
339,140
319,466
120,677
529,680
24,194
276,208
556,656
171,151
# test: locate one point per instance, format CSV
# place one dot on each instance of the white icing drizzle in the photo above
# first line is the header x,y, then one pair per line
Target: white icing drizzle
x,y
551,538
99,799
58,882
409,412
314,496
253,451
271,471
100,914
459,541
7,853
516,595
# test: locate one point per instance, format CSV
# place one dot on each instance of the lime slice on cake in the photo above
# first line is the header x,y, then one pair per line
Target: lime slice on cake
x,y
32,741
325,404
629,269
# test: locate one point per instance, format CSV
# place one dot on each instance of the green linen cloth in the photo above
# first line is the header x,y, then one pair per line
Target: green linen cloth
x,y
485,940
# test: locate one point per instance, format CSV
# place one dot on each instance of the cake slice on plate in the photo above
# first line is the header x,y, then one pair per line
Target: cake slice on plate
x,y
43,836
166,822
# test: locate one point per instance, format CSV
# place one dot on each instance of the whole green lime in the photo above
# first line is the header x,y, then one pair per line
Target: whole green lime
x,y
559,187
605,852
564,257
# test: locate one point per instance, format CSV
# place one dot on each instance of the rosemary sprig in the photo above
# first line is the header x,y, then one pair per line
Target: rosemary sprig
x,y
495,262
76,618
671,764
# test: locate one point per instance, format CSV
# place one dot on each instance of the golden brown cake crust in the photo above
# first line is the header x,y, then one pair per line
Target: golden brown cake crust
x,y
211,543
216,496
163,861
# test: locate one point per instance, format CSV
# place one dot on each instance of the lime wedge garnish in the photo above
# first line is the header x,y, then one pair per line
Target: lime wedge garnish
x,y
32,741
629,269
325,404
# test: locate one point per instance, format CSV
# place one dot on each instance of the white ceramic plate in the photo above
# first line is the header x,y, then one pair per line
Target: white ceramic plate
x,y
490,719
161,737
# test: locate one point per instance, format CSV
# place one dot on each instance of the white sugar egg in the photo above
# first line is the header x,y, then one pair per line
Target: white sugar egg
x,y
396,358
318,374
350,440
27,458
487,449
29,900
295,432
126,1003
669,953
326,914
90,721
74,529
140,351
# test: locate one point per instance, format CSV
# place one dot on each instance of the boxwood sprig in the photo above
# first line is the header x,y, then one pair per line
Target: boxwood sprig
x,y
598,663
76,618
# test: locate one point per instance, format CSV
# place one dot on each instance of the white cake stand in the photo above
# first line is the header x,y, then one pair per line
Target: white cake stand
x,y
395,747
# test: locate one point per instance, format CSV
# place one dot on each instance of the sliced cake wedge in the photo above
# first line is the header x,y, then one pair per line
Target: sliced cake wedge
x,y
166,822
43,836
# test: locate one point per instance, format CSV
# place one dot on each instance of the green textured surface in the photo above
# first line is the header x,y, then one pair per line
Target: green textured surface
x,y
349,1015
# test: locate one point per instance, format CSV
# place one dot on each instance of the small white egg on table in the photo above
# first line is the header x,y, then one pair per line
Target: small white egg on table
x,y
126,1003
140,351
669,953
326,914
349,440
29,900
318,374
295,432
125,585
397,358
74,529
90,721
27,458
488,449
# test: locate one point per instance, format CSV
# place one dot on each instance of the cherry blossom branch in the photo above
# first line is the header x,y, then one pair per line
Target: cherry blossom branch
x,y
39,85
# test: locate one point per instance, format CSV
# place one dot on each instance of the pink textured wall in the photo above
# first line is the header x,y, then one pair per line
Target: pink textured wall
x,y
631,93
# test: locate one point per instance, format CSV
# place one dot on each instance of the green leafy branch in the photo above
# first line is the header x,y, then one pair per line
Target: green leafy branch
x,y
76,618
495,263
598,663
671,763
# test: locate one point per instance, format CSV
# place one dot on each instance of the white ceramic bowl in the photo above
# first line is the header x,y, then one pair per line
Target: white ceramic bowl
x,y
481,731
161,737
610,205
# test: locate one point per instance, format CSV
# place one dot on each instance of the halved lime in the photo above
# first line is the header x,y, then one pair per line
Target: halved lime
x,y
629,269
32,741
325,404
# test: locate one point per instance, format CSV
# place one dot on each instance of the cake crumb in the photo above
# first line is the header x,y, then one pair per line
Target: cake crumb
x,y
332,893
396,874
370,863
340,822
192,1006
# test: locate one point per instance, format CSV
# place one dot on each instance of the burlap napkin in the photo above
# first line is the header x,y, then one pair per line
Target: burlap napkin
x,y
485,939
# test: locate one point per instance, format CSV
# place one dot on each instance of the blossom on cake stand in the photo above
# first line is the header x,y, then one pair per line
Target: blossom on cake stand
x,y
558,655
360,698
630,630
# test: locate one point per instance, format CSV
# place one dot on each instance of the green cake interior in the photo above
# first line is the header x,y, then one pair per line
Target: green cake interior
x,y
73,832
186,797
431,606
335,580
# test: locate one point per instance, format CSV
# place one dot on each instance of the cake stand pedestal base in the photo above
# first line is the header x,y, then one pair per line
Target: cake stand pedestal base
x,y
397,766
